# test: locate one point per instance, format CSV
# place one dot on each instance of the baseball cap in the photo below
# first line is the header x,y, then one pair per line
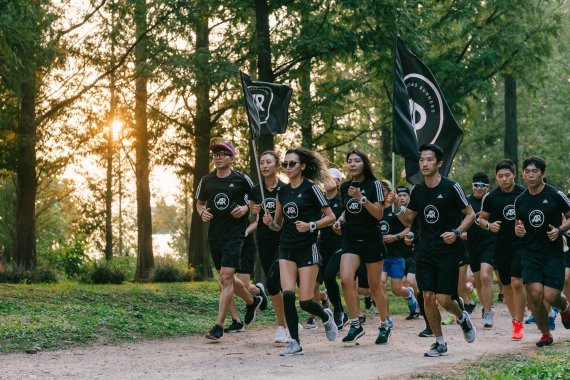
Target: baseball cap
x,y
335,173
224,145
402,189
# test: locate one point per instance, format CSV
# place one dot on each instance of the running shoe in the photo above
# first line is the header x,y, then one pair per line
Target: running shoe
x,y
436,350
461,303
412,302
390,322
251,310
292,349
362,319
281,335
263,296
331,329
448,320
545,340
530,320
216,333
353,334
552,320
340,319
412,316
488,319
470,307
565,317
500,297
426,333
469,332
235,327
325,301
367,302
311,324
518,330
383,334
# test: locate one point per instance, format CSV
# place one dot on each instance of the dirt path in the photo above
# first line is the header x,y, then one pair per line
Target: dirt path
x,y
250,355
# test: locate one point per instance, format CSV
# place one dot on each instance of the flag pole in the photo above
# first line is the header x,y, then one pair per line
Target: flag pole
x,y
394,176
261,183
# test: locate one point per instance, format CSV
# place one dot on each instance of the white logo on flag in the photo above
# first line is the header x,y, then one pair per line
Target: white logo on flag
x,y
262,97
425,103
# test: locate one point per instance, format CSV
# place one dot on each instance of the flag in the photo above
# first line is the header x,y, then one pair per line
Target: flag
x,y
428,120
267,106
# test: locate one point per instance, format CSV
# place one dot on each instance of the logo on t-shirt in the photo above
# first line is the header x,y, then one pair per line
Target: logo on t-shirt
x,y
384,227
536,218
353,206
270,204
290,210
509,212
431,214
221,201
477,218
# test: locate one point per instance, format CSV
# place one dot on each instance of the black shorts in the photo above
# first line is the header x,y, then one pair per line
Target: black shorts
x,y
268,253
327,252
508,264
548,270
567,259
247,256
463,259
477,257
410,265
226,253
369,251
302,256
437,273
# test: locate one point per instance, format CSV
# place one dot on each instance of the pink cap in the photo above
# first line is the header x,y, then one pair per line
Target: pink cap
x,y
224,145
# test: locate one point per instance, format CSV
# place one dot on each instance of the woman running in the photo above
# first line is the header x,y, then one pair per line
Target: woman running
x,y
301,209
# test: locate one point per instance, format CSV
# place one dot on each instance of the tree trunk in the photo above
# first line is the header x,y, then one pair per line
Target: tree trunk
x,y
145,258
511,128
198,254
109,197
25,244
264,68
386,150
305,100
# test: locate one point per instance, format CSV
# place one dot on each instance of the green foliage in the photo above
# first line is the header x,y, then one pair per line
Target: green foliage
x,y
102,272
169,270
70,259
36,276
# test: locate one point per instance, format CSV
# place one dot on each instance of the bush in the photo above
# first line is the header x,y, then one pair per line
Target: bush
x,y
70,259
37,276
169,270
102,272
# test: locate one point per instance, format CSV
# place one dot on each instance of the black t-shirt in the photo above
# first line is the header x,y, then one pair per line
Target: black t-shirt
x,y
537,212
327,237
391,225
501,207
439,210
360,224
302,203
478,239
263,231
222,195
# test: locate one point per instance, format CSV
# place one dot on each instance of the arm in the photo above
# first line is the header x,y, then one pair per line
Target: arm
x,y
407,216
486,225
276,223
555,232
395,237
337,226
251,228
203,211
375,209
327,219
255,209
450,236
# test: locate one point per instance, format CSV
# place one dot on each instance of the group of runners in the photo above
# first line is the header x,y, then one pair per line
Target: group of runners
x,y
425,239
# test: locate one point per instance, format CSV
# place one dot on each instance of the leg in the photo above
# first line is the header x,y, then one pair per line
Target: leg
x,y
535,295
349,263
486,281
374,271
226,296
519,297
333,289
309,296
288,274
432,312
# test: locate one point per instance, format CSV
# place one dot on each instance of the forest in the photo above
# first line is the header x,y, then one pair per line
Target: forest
x,y
108,107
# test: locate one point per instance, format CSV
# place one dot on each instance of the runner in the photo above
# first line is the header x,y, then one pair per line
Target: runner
x,y
301,209
440,204
498,216
539,211
268,240
363,201
481,246
222,196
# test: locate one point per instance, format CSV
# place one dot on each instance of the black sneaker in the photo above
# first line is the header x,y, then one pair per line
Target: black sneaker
x,y
340,319
383,334
216,333
362,319
367,302
353,334
412,316
470,307
426,333
251,310
263,296
461,303
235,327
500,297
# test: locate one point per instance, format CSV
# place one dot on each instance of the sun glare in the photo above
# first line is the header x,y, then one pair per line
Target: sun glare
x,y
116,128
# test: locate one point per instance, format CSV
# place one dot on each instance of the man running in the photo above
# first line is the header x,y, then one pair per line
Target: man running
x,y
443,213
539,211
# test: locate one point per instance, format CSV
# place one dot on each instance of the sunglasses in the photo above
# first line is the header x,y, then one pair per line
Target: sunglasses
x,y
289,164
479,185
223,153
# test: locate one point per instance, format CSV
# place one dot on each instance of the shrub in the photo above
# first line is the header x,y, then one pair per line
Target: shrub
x,y
169,270
70,259
36,276
102,272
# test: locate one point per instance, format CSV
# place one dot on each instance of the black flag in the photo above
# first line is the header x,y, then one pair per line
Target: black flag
x,y
429,119
267,106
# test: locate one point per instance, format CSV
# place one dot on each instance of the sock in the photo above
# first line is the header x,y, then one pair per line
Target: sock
x,y
314,308
291,315
355,322
551,313
384,324
440,340
409,296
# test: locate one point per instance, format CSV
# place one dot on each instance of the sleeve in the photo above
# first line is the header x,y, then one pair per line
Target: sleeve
x,y
486,203
378,194
255,194
201,192
413,203
320,197
461,199
517,208
564,203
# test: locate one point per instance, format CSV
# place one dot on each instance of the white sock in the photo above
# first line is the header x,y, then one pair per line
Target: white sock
x,y
440,340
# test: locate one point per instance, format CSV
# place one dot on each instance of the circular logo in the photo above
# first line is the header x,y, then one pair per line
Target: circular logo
x,y
221,201
426,107
509,212
477,218
353,206
536,218
431,214
384,227
270,204
290,210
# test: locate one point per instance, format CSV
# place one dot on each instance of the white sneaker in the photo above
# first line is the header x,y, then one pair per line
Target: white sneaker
x,y
330,326
281,335
293,348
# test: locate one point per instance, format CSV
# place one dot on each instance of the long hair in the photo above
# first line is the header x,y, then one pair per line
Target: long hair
x,y
368,174
316,166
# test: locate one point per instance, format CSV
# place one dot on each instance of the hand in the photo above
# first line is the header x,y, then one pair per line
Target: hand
x,y
256,209
520,231
553,233
355,193
337,227
408,240
495,226
449,237
390,198
302,226
267,219
390,238
464,236
206,215
239,211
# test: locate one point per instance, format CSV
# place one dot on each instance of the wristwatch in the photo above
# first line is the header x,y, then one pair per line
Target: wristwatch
x,y
312,226
457,232
363,200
